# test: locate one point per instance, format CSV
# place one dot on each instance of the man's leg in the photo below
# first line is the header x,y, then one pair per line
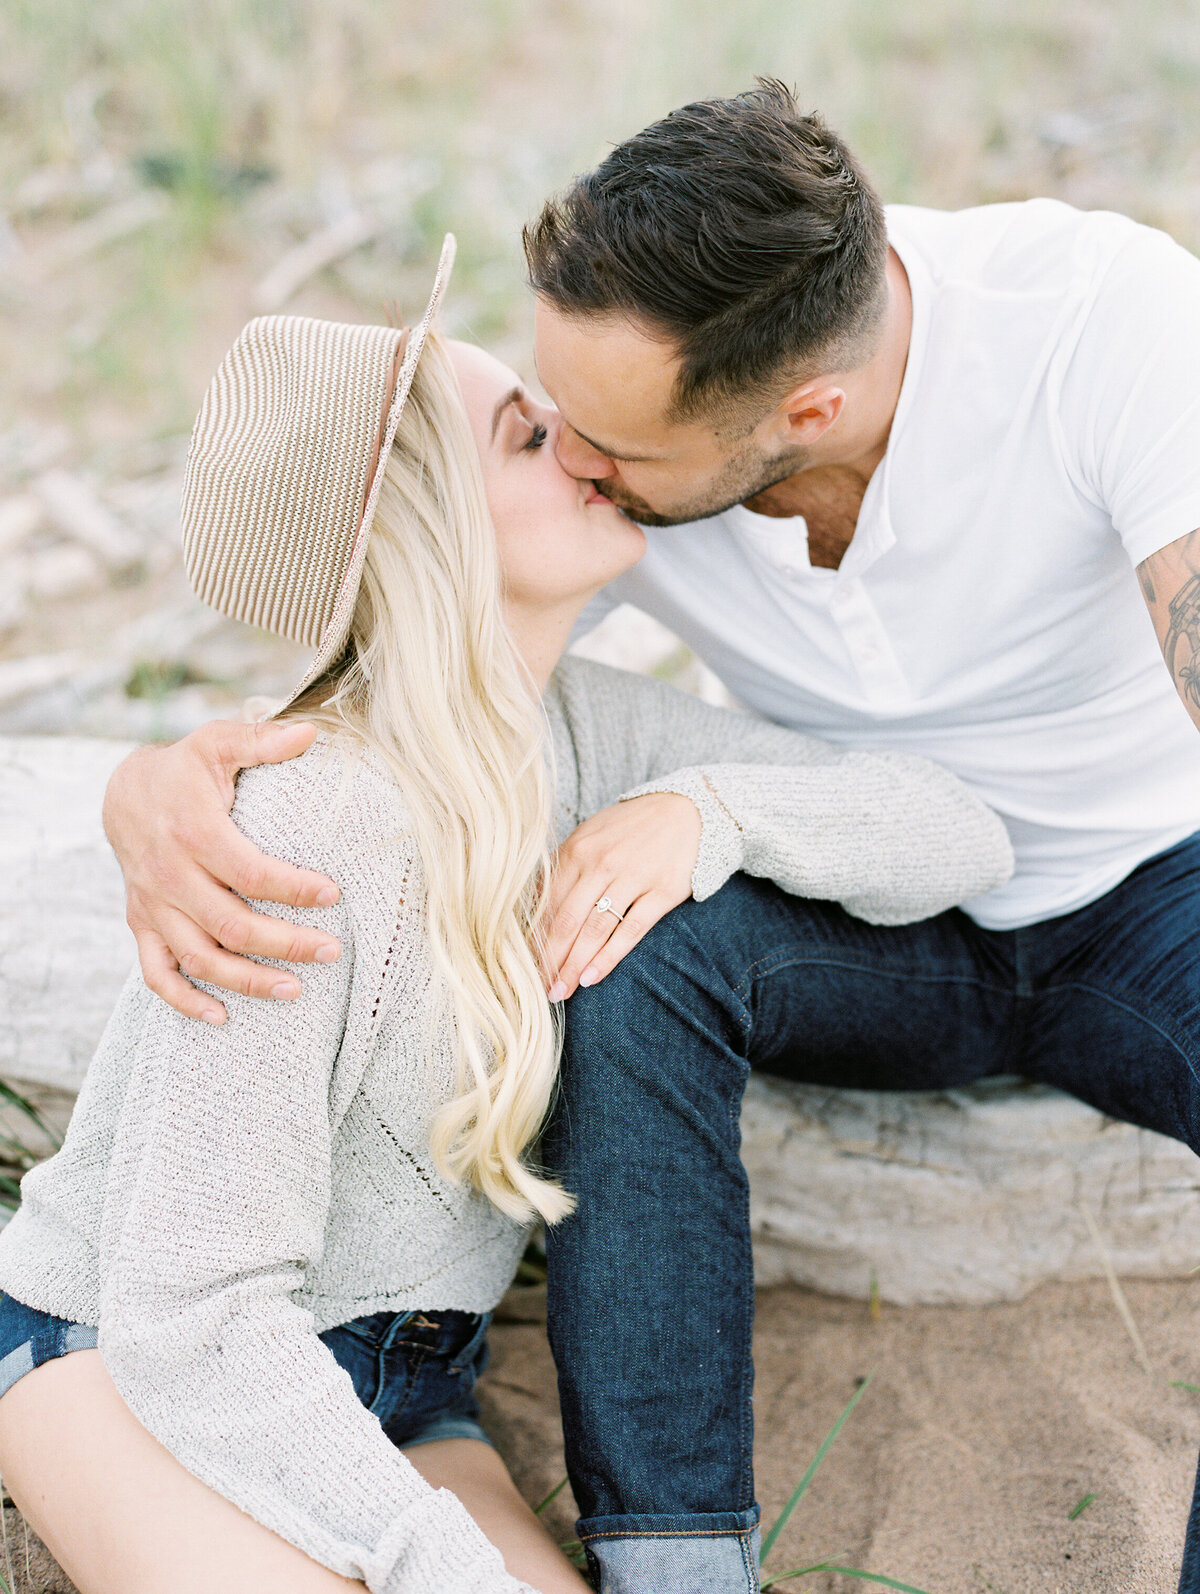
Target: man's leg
x,y
651,1285
1112,995
1189,1577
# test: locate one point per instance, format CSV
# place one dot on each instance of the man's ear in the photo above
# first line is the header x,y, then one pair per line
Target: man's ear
x,y
805,414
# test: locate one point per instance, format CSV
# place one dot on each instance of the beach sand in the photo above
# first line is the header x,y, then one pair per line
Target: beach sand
x,y
981,1429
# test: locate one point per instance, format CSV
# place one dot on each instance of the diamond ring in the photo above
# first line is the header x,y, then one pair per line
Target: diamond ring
x,y
605,906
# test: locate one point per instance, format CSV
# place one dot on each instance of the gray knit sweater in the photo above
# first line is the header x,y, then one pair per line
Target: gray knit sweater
x,y
225,1194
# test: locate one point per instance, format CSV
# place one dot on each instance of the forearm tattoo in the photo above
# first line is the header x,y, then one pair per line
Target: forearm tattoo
x,y
1170,581
1184,626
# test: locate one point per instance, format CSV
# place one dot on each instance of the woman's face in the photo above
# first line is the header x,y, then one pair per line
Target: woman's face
x,y
559,540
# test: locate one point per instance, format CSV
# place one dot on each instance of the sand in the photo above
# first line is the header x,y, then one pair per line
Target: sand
x,y
981,1429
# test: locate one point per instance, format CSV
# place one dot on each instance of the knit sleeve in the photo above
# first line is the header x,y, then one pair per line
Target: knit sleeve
x,y
215,1208
892,837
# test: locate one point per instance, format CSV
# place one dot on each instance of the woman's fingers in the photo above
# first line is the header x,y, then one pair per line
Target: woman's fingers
x,y
584,929
642,916
566,915
643,846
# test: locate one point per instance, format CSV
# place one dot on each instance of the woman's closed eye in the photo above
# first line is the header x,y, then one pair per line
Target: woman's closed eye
x,y
537,437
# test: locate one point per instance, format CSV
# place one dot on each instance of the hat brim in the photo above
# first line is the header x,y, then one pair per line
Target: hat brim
x,y
333,641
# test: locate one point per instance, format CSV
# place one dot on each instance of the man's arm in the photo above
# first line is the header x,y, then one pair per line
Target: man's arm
x,y
1170,582
187,868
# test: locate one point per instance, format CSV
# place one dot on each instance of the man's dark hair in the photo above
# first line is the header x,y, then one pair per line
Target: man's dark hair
x,y
741,230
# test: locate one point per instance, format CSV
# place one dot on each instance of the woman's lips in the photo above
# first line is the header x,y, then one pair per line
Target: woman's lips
x,y
596,497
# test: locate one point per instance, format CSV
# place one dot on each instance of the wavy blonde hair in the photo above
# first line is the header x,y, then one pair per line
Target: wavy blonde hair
x,y
432,681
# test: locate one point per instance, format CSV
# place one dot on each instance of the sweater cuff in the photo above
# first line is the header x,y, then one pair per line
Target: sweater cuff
x,y
722,841
435,1544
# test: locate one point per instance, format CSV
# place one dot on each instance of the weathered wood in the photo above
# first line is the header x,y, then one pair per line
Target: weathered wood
x,y
326,246
971,1195
64,946
78,512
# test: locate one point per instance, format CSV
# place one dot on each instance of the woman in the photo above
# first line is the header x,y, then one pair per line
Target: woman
x,y
246,1303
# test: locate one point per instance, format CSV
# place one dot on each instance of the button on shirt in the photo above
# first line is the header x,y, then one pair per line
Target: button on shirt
x,y
987,613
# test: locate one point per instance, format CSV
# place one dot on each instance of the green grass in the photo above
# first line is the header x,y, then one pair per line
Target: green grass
x,y
1077,1511
801,1489
846,1571
573,1549
18,1150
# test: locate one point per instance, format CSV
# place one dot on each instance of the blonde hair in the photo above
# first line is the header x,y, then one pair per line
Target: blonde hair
x,y
434,684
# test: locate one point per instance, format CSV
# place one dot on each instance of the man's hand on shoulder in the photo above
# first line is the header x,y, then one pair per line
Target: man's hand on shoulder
x,y
1170,582
187,868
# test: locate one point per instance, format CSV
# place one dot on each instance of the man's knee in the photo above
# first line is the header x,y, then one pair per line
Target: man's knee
x,y
670,1022
686,969
709,943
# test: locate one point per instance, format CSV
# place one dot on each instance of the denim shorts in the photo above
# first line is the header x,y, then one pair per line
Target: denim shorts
x,y
415,1370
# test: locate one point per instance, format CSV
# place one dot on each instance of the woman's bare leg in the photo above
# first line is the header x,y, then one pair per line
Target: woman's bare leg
x,y
118,1512
475,1473
122,1516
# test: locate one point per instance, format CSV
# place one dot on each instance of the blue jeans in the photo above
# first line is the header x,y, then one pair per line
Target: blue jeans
x,y
651,1287
415,1370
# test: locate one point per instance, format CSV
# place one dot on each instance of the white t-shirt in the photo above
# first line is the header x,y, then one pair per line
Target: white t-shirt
x,y
987,613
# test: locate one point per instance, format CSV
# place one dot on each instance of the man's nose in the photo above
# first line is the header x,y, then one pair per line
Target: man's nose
x,y
578,458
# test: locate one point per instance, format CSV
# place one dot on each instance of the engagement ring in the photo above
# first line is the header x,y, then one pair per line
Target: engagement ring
x,y
605,906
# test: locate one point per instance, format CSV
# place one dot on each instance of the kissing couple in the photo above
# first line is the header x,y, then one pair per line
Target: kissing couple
x,y
884,470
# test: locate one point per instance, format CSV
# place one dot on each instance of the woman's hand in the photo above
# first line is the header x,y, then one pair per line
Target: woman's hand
x,y
639,855
166,813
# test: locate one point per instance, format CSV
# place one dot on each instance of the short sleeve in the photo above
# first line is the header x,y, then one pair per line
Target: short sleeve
x,y
1130,396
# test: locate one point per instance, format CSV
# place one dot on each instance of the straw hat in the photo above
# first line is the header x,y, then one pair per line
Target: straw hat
x,y
284,470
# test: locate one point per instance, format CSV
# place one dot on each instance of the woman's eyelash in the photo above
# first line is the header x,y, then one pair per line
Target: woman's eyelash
x,y
540,434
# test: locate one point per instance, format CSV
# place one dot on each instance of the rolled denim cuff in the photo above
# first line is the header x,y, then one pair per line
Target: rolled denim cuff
x,y
715,1553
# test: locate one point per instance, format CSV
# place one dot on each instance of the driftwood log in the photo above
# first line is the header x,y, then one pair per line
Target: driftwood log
x,y
973,1195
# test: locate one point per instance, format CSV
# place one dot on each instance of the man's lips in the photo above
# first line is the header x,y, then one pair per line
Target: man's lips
x,y
595,496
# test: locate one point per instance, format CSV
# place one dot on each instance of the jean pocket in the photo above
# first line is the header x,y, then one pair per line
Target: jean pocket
x,y
474,1355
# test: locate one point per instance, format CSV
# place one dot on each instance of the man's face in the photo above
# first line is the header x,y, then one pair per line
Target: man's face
x,y
612,385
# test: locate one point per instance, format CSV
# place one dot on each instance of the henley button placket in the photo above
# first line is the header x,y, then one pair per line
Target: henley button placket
x,y
868,643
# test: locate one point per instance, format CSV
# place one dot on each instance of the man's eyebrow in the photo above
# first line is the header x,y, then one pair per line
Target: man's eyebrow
x,y
513,396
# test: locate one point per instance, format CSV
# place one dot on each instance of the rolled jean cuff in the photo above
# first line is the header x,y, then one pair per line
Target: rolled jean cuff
x,y
714,1553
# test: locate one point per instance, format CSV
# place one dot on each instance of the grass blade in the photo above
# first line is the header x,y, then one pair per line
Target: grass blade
x,y
845,1571
797,1571
801,1488
9,1579
875,1577
1192,1388
1115,1290
554,1493
23,1104
1081,1507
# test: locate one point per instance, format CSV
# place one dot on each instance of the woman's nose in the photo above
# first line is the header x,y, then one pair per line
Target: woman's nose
x,y
578,458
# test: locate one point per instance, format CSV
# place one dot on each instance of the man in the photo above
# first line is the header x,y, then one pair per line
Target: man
x,y
903,470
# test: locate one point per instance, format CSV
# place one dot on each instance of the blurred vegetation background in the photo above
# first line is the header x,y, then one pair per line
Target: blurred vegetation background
x,y
171,167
